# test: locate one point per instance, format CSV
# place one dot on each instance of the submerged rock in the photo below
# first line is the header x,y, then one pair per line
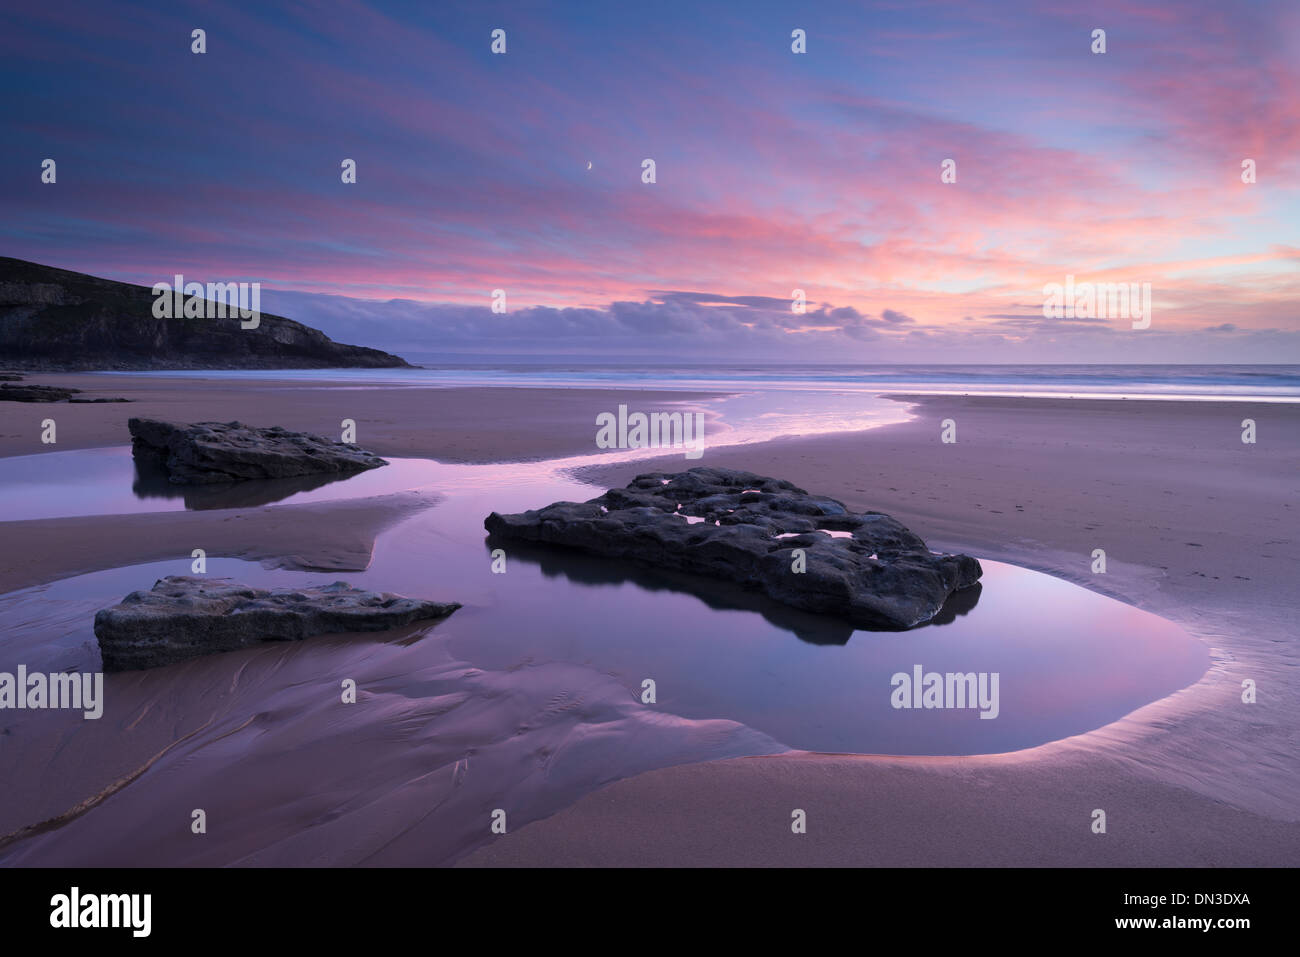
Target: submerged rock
x,y
208,452
186,617
737,526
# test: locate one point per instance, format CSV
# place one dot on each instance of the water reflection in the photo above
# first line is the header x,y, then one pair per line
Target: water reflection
x,y
152,481
111,481
584,569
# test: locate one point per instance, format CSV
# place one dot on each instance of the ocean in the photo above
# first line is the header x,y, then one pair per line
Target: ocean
x,y
1238,382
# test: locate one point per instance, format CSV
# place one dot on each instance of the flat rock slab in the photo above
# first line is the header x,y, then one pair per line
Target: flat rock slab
x,y
185,617
740,527
209,452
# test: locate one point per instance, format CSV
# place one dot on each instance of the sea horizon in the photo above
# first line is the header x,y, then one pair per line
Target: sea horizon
x,y
1275,382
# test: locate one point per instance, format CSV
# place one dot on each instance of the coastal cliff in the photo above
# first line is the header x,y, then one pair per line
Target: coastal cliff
x,y
55,320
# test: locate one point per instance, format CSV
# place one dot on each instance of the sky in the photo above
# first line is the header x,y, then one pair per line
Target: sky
x,y
775,171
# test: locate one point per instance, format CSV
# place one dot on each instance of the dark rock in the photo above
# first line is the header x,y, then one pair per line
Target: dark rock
x,y
34,393
10,377
743,528
186,617
100,399
53,319
208,452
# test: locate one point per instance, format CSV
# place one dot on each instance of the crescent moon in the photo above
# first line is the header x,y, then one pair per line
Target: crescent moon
x,y
588,164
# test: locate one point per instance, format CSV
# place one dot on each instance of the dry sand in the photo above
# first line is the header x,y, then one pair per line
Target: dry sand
x,y
1197,527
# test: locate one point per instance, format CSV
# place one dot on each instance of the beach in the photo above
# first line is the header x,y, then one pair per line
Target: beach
x,y
1197,527
461,425
455,425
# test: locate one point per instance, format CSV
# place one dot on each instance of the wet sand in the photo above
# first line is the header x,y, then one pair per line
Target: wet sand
x,y
452,425
333,536
1167,488
287,774
1197,527
260,739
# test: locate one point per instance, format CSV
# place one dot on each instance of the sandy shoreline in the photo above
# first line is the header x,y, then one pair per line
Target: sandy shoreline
x,y
1167,488
329,536
1197,527
480,424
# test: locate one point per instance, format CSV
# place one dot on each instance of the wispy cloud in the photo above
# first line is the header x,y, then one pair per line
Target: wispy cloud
x,y
775,171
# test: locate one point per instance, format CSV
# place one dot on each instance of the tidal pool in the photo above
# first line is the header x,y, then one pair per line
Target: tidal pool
x,y
1067,660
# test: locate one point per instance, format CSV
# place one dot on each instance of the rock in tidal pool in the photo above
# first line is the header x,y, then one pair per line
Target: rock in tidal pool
x,y
184,617
208,452
740,527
